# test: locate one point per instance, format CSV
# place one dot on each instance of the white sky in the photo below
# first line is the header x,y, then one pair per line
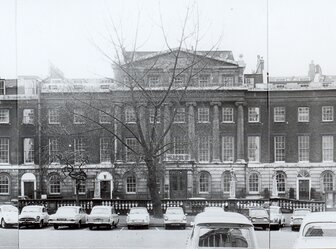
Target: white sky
x,y
35,33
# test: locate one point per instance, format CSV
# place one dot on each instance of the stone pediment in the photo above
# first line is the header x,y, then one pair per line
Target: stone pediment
x,y
167,59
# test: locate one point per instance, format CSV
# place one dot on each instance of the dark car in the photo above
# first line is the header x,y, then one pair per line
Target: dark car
x,y
258,216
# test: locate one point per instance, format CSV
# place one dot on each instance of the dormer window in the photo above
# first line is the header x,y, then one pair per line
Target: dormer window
x,y
153,81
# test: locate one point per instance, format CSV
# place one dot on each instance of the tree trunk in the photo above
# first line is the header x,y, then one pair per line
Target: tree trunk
x,y
153,188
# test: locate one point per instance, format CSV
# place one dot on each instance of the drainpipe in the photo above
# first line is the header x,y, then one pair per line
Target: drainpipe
x,y
39,135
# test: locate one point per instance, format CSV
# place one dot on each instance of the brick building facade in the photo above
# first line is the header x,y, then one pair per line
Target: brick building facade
x,y
242,136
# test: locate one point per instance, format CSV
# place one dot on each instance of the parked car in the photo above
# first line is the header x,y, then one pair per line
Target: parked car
x,y
297,217
175,216
8,215
71,216
138,216
222,230
102,216
277,219
318,230
34,215
259,217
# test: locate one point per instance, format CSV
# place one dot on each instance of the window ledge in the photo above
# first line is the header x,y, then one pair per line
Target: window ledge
x,y
203,122
228,122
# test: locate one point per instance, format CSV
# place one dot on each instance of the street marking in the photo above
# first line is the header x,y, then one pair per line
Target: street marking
x,y
122,228
157,229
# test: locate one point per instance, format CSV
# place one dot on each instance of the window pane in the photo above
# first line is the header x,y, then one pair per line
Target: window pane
x,y
130,116
54,116
28,146
4,116
253,148
55,184
226,182
4,184
279,114
327,148
4,150
203,115
303,144
228,148
303,114
327,113
227,114
203,149
53,150
204,182
254,182
328,182
253,114
132,156
131,184
105,149
28,116
281,181
180,115
279,148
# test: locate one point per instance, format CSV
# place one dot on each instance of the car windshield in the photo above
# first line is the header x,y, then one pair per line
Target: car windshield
x,y
320,230
31,209
174,211
9,209
67,211
301,212
101,210
258,212
138,211
225,236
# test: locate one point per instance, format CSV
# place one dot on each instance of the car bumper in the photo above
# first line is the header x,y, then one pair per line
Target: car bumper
x,y
99,222
63,223
260,224
26,223
137,223
175,222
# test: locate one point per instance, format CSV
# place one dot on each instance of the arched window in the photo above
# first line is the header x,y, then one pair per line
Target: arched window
x,y
328,181
254,182
4,184
204,182
281,181
55,184
226,181
130,184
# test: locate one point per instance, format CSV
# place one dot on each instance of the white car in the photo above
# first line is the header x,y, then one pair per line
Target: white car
x,y
222,230
297,217
102,216
318,230
214,209
138,216
71,216
36,216
277,219
175,216
8,215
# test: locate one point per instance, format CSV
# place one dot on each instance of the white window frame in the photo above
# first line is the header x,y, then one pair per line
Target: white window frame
x,y
228,151
327,113
133,183
5,184
207,177
327,148
204,80
4,116
4,150
54,116
179,145
303,148
227,80
324,183
78,114
53,150
277,176
28,150
303,114
253,155
153,80
253,114
226,184
203,115
151,116
104,145
279,148
253,191
79,149
180,115
204,149
28,116
227,115
279,114
130,117
104,117
130,156
53,185
82,185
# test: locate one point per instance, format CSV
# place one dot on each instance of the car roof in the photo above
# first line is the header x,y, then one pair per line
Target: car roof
x,y
70,207
101,206
139,208
225,217
328,216
299,209
40,206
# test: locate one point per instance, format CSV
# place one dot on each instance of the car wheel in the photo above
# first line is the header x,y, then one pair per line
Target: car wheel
x,y
129,227
166,227
147,226
116,224
55,227
79,225
3,223
90,227
183,227
264,227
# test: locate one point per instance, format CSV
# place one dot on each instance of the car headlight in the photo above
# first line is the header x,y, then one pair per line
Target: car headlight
x,y
184,217
37,218
166,218
253,219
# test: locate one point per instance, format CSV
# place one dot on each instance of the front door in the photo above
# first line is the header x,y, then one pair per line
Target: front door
x,y
304,189
178,184
28,189
105,189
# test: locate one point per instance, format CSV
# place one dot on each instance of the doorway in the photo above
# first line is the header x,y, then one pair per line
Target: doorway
x,y
304,189
105,189
28,185
178,184
28,189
